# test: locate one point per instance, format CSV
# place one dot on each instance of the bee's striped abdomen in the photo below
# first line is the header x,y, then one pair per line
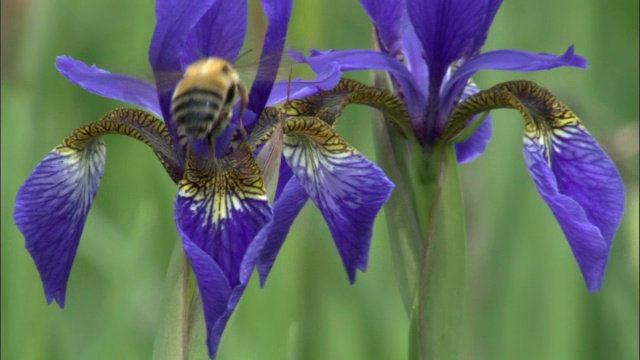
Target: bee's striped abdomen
x,y
197,111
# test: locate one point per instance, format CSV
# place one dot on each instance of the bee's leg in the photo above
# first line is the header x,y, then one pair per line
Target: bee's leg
x,y
244,100
211,143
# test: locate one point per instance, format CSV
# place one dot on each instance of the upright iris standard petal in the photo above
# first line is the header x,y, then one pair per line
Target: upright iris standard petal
x,y
414,55
348,189
278,13
216,35
491,9
387,19
581,185
446,29
113,86
175,19
52,206
220,208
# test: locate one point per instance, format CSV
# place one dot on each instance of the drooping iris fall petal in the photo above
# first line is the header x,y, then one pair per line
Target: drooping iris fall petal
x,y
220,208
583,189
348,189
53,203
574,176
52,207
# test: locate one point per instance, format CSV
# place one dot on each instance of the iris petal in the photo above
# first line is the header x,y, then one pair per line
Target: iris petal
x,y
175,20
215,34
221,206
221,302
386,16
446,29
348,189
481,36
582,187
299,88
52,205
283,178
476,144
414,55
278,13
509,60
573,174
113,86
285,210
214,290
220,209
352,60
51,210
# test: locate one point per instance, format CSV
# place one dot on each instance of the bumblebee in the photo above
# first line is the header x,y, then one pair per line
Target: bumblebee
x,y
202,102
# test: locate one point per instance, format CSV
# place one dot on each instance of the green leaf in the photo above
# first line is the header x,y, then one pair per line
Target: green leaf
x,y
171,338
182,332
197,347
401,209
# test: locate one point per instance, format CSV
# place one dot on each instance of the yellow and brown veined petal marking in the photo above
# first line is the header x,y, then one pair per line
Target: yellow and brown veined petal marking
x,y
268,121
328,105
545,117
236,176
134,123
327,139
221,205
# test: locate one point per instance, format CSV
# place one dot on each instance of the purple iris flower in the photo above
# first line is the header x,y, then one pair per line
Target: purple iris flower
x,y
430,49
221,205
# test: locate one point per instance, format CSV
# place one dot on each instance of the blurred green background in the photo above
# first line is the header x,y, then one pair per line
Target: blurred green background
x,y
526,298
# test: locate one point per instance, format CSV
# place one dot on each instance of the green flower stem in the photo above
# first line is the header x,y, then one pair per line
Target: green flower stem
x,y
439,301
182,331
425,219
